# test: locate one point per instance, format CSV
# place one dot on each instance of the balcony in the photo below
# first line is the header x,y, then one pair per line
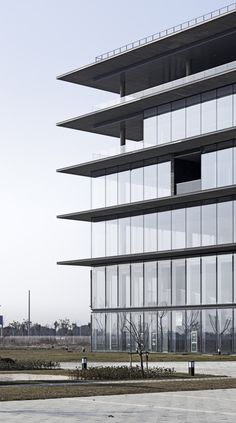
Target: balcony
x,y
188,187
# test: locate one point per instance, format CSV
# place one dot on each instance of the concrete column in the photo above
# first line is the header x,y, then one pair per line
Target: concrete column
x,y
188,67
122,133
122,85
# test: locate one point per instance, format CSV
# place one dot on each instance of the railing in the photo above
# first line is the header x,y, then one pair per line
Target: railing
x,y
189,186
168,32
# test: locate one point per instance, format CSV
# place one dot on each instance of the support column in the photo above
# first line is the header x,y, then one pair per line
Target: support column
x,y
122,133
122,85
188,67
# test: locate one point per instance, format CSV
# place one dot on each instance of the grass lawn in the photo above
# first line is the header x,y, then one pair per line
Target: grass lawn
x,y
30,392
61,354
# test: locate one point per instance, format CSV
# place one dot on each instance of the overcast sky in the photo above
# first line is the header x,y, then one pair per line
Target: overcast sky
x,y
39,40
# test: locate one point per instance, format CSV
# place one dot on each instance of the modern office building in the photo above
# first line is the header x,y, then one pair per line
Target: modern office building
x,y
163,206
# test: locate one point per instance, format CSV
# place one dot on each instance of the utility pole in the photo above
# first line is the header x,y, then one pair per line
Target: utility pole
x,y
29,312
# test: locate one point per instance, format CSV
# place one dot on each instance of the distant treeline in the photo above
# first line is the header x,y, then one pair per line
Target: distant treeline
x,y
61,327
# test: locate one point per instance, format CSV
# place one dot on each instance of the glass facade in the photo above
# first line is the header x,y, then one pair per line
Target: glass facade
x,y
191,281
200,114
197,226
167,331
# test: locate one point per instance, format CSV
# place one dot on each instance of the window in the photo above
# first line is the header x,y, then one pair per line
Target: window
x,y
150,232
163,125
193,226
193,281
178,229
209,111
111,189
124,285
164,230
224,107
124,235
150,284
136,285
224,222
178,282
111,286
209,280
150,131
150,181
208,170
111,237
164,283
137,184
225,167
124,187
225,278
98,287
178,120
136,234
193,117
209,224
164,179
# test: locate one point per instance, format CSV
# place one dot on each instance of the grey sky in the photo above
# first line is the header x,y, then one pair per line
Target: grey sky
x,y
39,40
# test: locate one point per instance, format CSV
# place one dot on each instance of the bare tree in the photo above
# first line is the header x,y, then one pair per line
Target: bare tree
x,y
215,324
137,335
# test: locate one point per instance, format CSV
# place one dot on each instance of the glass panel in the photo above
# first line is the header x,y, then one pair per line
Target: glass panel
x,y
150,284
224,107
98,331
150,131
150,232
124,235
178,331
234,105
178,120
136,234
225,278
150,331
124,187
163,125
164,330
224,167
137,329
178,282
136,285
224,222
178,229
111,286
98,239
137,184
164,283
209,331
234,161
111,189
209,280
208,166
164,230
111,332
209,111
98,192
209,224
124,285
124,333
193,281
193,226
193,118
234,300
164,179
98,287
150,181
225,322
193,330
111,237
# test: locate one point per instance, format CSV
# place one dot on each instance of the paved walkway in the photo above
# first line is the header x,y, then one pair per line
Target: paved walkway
x,y
185,407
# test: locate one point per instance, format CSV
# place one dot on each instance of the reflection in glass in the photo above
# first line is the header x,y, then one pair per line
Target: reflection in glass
x,y
178,282
164,179
137,184
111,286
193,281
98,331
224,222
150,284
178,120
164,283
225,323
163,125
209,332
124,235
124,187
124,285
224,167
225,278
111,332
224,107
209,224
209,280
164,230
150,181
136,284
178,228
193,330
209,111
150,331
150,232
193,116
208,170
136,234
98,287
178,331
193,226
163,320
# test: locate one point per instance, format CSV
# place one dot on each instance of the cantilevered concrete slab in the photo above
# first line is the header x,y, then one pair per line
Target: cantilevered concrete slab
x,y
186,145
130,108
186,41
157,204
143,257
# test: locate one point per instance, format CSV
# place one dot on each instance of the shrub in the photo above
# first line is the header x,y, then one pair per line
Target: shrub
x,y
10,364
120,373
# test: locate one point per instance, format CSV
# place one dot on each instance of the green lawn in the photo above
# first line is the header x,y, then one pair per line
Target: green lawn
x,y
61,354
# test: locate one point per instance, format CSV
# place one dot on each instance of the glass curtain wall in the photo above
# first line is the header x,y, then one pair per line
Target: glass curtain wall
x,y
189,117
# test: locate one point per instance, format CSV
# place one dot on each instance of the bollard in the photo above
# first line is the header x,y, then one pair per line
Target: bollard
x,y
146,354
191,368
84,363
